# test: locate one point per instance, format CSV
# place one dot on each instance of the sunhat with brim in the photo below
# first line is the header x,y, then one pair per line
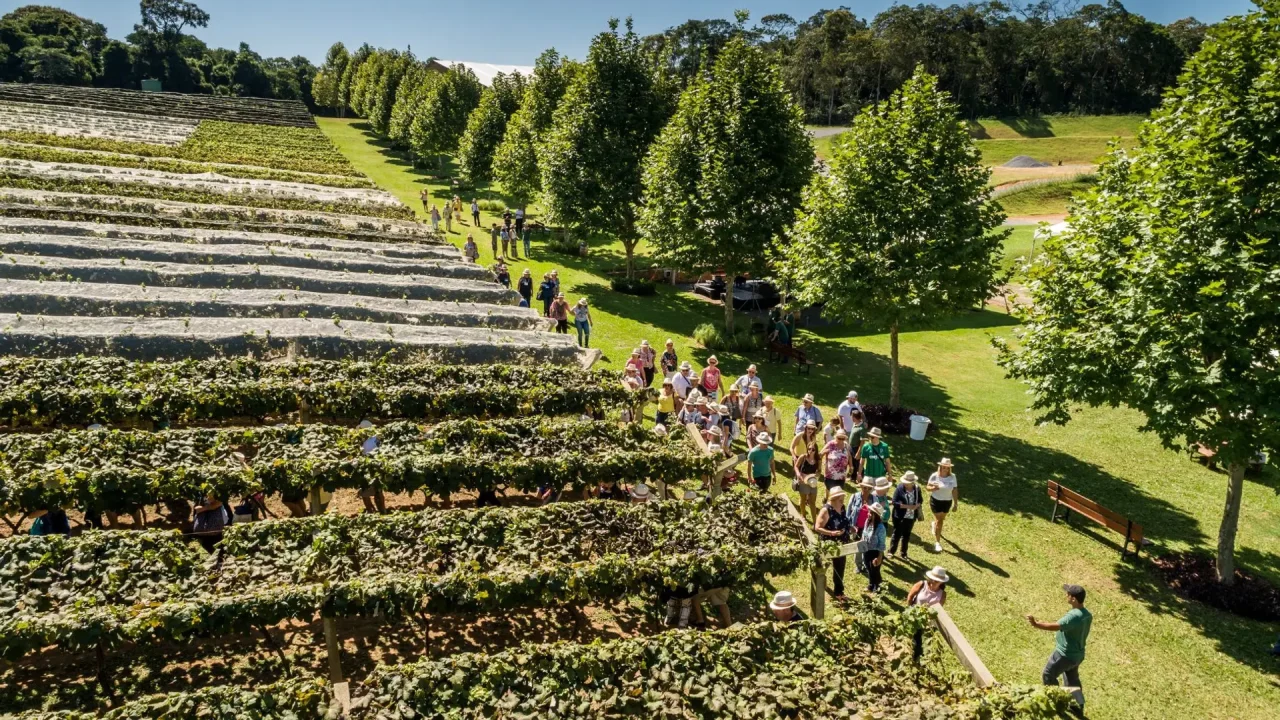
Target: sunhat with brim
x,y
882,483
636,351
712,360
944,462
782,601
764,439
810,424
938,574
644,343
526,272
723,409
808,397
715,430
908,477
875,508
659,430
835,492
703,401
583,301
734,389
667,381
875,433
640,492
561,295
867,483
758,414
685,365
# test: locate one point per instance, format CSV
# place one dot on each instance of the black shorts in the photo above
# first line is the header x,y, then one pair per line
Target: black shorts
x,y
940,507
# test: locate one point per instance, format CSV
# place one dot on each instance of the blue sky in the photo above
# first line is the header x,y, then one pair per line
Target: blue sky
x,y
497,31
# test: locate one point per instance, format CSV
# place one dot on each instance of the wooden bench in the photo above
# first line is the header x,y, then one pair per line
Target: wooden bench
x,y
1068,500
779,352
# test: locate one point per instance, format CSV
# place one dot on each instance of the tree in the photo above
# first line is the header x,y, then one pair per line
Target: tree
x,y
169,17
442,115
382,95
486,126
725,176
902,229
1163,294
601,132
516,158
414,86
326,87
117,66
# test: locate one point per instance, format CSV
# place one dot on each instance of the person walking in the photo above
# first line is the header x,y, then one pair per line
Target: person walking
x,y
493,241
647,357
745,382
906,508
875,456
857,436
835,460
504,275
929,592
832,524
525,287
475,212
670,363
944,498
845,411
470,251
448,219
832,427
773,417
546,293
524,238
760,458
636,362
807,411
520,222
752,402
560,313
435,219
425,196
709,379
582,321
733,411
683,381
873,533
1072,632
666,403
805,460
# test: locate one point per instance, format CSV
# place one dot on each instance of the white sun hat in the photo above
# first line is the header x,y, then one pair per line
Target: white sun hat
x,y
782,600
938,574
640,492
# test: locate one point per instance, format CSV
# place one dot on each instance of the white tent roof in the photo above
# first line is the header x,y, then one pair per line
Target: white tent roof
x,y
485,72
1053,230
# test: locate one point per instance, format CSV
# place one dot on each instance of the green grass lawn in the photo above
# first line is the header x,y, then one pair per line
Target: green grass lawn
x,y
1056,126
1151,655
1049,199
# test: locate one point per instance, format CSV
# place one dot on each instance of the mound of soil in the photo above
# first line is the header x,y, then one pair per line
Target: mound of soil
x,y
1026,161
1194,577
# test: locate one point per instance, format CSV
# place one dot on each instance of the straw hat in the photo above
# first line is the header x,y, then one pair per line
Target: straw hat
x,y
875,433
853,395
685,365
835,492
908,477
841,434
875,508
644,343
715,430
526,272
667,381
640,492
867,483
723,409
636,352
693,397
810,424
764,439
660,430
938,574
808,397
712,360
882,483
560,295
782,601
702,400
758,414
582,301
944,462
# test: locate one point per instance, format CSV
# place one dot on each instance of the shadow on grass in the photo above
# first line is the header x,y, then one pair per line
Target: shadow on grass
x,y
1245,641
1030,126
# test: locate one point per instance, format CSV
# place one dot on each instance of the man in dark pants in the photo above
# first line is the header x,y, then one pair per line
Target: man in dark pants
x,y
1072,632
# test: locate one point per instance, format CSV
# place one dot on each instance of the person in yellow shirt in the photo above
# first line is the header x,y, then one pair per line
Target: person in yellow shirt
x,y
666,402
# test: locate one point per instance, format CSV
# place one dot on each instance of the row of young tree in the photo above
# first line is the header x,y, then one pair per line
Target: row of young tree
x,y
994,58
42,44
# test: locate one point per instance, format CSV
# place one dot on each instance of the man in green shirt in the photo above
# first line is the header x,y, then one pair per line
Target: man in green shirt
x,y
875,457
760,460
1072,632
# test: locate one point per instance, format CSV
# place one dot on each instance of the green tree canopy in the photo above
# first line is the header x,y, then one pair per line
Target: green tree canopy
x,y
902,229
442,115
516,158
414,86
591,163
486,126
725,176
1164,293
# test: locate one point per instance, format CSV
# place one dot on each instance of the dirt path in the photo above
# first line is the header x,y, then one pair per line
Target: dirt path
x,y
1024,220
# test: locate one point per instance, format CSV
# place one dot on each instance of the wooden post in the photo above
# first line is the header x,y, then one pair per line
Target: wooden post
x,y
818,577
965,653
332,646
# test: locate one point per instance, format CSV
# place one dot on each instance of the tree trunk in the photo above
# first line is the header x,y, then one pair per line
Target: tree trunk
x,y
895,395
630,246
1230,521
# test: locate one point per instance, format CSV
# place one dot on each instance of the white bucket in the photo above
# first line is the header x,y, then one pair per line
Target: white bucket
x,y
919,426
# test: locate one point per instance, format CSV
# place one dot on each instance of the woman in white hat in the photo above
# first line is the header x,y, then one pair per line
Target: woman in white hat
x,y
929,592
752,402
582,321
906,508
760,460
944,497
832,525
873,540
784,607
636,362
715,436
805,460
710,379
648,358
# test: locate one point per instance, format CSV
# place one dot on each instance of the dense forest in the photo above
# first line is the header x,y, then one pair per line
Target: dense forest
x,y
42,44
994,58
